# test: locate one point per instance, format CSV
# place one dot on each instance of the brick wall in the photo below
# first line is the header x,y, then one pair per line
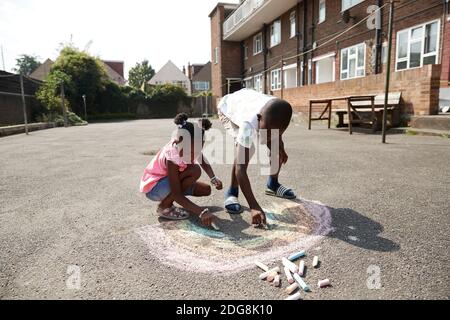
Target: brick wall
x,y
420,97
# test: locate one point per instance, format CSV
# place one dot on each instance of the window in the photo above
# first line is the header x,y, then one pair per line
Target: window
x,y
293,24
275,33
324,68
248,83
201,85
257,44
216,55
290,76
417,46
275,79
347,4
384,53
353,62
245,52
322,11
257,82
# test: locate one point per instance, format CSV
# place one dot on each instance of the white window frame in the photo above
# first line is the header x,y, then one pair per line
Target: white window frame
x,y
290,67
317,69
257,39
248,80
422,41
258,82
345,6
275,35
275,79
201,85
322,5
293,24
349,57
216,55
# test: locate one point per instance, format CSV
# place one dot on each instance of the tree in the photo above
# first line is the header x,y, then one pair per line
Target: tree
x,y
141,73
26,64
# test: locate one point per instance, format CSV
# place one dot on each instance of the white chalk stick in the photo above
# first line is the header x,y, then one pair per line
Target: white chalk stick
x,y
271,276
289,278
323,283
315,261
292,288
262,266
294,297
301,268
268,272
297,255
215,226
290,265
301,283
277,281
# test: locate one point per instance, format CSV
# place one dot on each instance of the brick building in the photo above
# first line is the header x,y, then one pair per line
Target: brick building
x,y
200,77
304,49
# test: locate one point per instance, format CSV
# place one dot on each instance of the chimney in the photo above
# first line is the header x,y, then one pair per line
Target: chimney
x,y
184,69
189,71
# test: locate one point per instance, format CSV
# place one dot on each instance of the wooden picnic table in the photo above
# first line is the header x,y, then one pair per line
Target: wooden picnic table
x,y
351,109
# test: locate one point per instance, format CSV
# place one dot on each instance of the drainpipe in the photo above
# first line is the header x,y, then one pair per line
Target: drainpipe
x,y
378,44
265,52
313,39
305,36
297,26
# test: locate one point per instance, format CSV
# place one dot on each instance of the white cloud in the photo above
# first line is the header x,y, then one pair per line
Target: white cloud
x,y
130,30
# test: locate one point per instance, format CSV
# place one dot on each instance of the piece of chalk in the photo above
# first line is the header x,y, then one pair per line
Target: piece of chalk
x,y
291,288
301,283
297,255
271,276
294,297
315,261
277,281
323,283
268,272
215,226
289,278
290,265
262,266
301,268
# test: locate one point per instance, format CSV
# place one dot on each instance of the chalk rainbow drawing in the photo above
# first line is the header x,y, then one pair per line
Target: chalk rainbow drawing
x,y
186,245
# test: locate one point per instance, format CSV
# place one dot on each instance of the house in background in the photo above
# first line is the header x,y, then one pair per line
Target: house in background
x,y
170,73
286,48
114,70
200,77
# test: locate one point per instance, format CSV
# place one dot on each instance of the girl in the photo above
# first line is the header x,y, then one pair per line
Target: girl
x,y
173,174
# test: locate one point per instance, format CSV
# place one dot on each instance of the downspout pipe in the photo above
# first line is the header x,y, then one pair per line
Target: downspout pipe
x,y
378,43
305,38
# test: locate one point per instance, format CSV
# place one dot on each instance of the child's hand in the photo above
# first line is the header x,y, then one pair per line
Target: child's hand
x,y
207,218
258,217
217,183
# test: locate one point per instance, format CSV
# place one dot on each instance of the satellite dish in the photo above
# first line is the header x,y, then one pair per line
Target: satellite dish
x,y
346,16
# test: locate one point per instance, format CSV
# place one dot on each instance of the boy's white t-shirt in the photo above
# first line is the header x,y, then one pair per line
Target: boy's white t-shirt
x,y
242,108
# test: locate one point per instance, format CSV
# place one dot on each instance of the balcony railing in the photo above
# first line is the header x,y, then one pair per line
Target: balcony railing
x,y
245,9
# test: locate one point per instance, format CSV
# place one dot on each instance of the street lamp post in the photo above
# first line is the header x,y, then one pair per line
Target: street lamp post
x,y
85,109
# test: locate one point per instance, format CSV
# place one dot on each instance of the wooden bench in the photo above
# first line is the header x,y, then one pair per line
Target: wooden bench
x,y
376,112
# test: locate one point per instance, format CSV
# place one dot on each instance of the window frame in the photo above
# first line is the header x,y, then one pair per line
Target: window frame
x,y
275,86
424,55
255,37
204,85
273,34
352,4
350,57
260,82
292,24
324,3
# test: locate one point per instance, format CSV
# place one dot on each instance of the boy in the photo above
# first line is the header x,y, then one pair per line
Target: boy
x,y
243,113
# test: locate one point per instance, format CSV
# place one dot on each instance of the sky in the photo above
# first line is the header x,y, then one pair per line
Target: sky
x,y
130,31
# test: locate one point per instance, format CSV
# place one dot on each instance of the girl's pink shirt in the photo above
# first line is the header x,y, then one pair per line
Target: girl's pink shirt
x,y
157,168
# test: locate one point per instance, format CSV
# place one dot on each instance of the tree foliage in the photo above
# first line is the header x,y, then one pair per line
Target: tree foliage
x,y
26,64
140,74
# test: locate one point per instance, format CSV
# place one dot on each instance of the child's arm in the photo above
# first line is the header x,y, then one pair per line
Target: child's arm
x,y
210,172
258,216
180,198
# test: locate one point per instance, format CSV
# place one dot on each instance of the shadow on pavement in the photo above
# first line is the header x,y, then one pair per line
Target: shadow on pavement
x,y
358,230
